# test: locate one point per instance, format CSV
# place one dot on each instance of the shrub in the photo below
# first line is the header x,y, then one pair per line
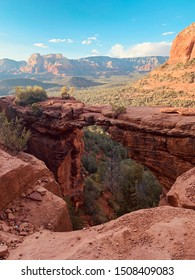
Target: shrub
x,y
12,134
118,109
29,95
36,110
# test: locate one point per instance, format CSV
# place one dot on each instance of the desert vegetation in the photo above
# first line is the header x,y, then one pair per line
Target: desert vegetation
x,y
129,96
13,135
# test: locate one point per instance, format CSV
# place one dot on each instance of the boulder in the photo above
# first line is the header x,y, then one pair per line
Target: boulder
x,y
18,173
182,193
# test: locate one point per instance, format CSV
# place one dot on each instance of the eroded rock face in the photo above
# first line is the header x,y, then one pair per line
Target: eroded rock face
x,y
183,47
182,193
28,191
62,155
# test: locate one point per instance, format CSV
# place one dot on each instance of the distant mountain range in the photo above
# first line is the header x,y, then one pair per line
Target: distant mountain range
x,y
56,64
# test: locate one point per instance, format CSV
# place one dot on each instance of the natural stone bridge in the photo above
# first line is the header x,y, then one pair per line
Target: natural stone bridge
x,y
161,139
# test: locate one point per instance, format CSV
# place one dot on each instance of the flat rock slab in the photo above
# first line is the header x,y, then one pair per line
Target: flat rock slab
x,y
36,196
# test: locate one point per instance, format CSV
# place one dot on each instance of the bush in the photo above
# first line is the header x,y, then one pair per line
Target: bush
x,y
118,109
30,95
36,110
12,134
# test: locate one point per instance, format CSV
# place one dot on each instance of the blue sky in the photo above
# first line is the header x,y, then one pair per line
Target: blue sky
x,y
118,28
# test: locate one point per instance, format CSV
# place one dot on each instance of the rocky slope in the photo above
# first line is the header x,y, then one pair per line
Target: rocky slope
x,y
57,64
162,233
174,79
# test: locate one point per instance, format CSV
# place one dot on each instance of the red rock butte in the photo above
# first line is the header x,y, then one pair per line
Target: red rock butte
x,y
183,47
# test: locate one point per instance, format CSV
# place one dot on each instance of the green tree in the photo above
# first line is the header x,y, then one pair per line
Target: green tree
x,y
66,93
112,175
130,176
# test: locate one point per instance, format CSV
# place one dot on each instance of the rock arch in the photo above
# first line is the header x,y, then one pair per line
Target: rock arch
x,y
161,139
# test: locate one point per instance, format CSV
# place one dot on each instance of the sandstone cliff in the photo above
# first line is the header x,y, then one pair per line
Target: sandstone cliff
x,y
183,48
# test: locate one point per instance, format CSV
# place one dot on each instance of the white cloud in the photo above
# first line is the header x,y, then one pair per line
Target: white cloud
x,y
95,52
60,40
164,24
89,40
167,33
86,42
93,38
40,45
142,49
57,40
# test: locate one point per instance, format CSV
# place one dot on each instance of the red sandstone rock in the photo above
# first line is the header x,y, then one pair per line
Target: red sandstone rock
x,y
182,193
183,47
52,209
